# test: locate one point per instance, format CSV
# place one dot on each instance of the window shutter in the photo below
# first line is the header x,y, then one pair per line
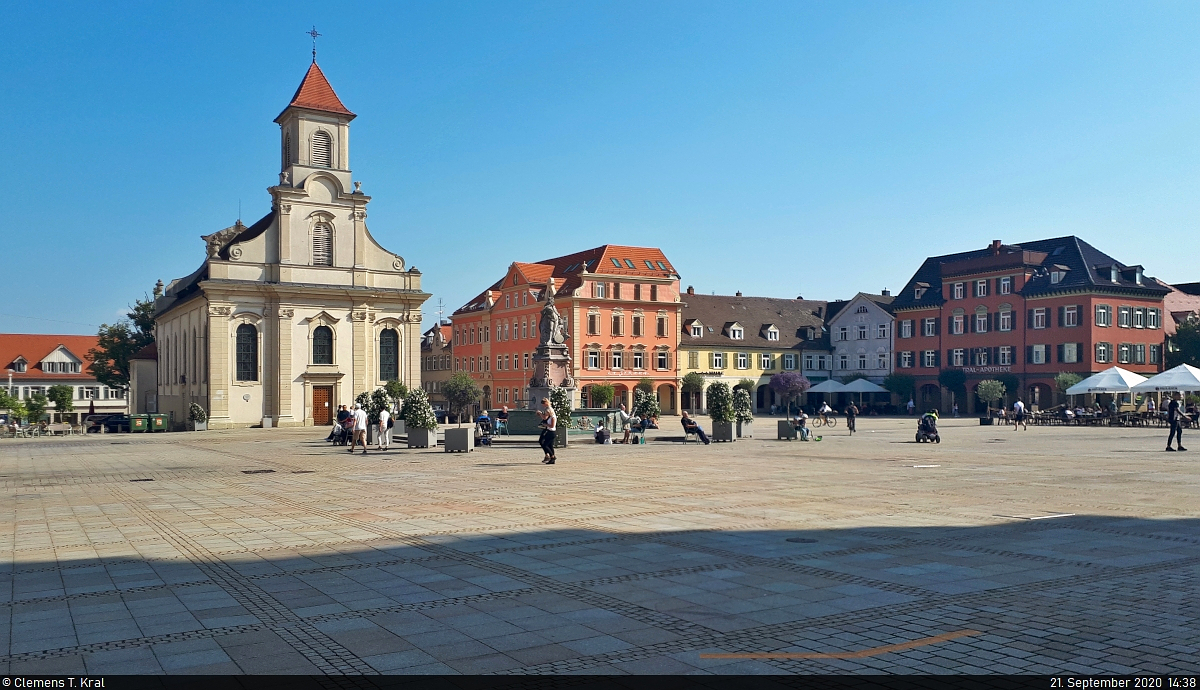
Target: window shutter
x,y
1029,354
949,324
994,357
1060,349
1062,316
937,358
322,245
1079,314
950,357
711,360
322,149
1029,321
937,326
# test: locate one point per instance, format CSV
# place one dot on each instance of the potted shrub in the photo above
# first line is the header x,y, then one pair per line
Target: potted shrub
x,y
742,412
560,400
645,405
420,420
988,391
396,392
461,392
720,411
198,417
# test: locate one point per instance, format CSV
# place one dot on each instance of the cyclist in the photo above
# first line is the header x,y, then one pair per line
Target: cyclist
x,y
824,412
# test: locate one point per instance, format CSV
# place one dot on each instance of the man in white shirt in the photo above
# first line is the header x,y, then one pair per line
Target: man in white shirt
x,y
1019,416
385,431
360,429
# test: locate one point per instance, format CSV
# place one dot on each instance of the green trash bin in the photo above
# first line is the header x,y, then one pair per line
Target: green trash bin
x,y
139,422
158,422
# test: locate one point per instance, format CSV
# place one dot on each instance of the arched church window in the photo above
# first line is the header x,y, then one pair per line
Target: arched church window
x,y
247,353
322,149
322,244
322,345
389,348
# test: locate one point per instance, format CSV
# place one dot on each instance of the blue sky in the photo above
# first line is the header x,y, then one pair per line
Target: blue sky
x,y
774,148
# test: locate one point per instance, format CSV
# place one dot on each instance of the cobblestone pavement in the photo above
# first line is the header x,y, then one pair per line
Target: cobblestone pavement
x,y
267,551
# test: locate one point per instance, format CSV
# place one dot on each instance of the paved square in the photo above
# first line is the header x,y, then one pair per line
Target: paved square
x,y
176,553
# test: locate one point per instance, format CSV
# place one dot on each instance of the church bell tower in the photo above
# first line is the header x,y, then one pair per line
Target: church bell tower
x,y
314,133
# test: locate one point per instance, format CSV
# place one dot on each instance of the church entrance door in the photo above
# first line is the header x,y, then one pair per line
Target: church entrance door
x,y
322,405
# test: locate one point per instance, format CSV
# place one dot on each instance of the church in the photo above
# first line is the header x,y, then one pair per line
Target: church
x,y
302,310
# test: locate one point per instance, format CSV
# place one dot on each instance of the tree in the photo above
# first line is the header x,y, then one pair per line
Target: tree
x,y
397,391
197,413
692,383
62,397
645,384
16,409
373,403
741,405
1065,380
953,380
989,390
35,407
1184,346
788,385
720,403
1012,384
747,384
120,341
601,395
645,404
418,412
461,391
560,402
901,384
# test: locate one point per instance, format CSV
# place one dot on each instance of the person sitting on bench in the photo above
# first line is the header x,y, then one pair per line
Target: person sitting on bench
x,y
691,427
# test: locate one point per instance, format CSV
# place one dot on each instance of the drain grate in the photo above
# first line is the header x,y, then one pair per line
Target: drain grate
x,y
257,471
141,480
801,540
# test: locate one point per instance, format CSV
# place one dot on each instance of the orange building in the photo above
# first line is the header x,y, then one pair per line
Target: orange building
x,y
622,309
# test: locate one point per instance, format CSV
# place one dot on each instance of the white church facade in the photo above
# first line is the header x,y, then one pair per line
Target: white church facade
x,y
301,311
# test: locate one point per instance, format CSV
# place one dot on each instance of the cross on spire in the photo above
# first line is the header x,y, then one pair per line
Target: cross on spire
x,y
314,35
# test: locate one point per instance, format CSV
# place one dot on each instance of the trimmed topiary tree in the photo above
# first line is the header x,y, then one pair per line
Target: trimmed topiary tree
x,y
990,390
645,384
418,413
720,402
742,411
461,392
789,385
645,405
600,395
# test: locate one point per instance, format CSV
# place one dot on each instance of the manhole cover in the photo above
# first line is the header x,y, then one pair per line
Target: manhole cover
x,y
801,540
141,480
257,471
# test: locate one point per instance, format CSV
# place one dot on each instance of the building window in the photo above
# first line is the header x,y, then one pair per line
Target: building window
x,y
664,360
930,327
981,323
959,291
881,331
906,360
593,359
697,330
322,244
1039,318
1124,320
843,333
637,291
789,361
1103,315
957,324
1057,276
247,353
862,332
693,360
881,361
843,362
862,362
1038,354
322,149
1139,353
599,289
1005,356
906,329
593,324
322,345
981,288
524,329
617,359
918,293
389,351
1070,317
981,356
1070,353
735,333
1124,353
809,362
929,359
765,361
1155,354
772,333
638,330
1006,286
525,361
718,360
1153,318
743,360
653,293
1139,318
958,357
618,324
639,359
1006,321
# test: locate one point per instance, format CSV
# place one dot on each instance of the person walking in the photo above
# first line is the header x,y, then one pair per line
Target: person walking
x,y
851,415
956,409
360,429
1175,418
549,431
341,417
1020,419
385,430
911,406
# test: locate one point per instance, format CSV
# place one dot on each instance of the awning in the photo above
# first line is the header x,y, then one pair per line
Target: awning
x,y
1181,378
1111,380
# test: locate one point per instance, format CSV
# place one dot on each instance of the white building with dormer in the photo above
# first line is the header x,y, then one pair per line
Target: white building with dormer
x,y
860,336
300,311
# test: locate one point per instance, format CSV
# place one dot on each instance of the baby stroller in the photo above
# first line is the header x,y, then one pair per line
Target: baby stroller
x,y
484,424
927,429
342,433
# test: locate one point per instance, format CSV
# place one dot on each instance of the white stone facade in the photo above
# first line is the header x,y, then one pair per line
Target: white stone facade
x,y
861,338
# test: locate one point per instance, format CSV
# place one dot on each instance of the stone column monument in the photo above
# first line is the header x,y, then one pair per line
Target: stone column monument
x,y
552,358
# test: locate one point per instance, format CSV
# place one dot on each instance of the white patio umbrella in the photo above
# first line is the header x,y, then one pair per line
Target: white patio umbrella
x,y
828,386
1182,378
1111,380
862,386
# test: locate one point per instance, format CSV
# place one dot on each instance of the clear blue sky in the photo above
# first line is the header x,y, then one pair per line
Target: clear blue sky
x,y
774,148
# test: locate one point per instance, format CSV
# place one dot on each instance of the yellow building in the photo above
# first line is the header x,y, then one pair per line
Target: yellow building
x,y
732,338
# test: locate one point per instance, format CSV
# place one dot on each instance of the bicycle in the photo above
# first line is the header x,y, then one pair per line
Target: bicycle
x,y
824,420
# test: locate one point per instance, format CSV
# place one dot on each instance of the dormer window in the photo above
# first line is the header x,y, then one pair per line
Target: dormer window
x,y
736,333
322,149
19,366
697,330
918,293
772,333
1057,276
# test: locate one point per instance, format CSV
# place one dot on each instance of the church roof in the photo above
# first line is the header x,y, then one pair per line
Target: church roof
x,y
315,93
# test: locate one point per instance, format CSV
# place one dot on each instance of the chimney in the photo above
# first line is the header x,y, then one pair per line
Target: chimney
x,y
738,293
819,312
691,290
886,292
995,247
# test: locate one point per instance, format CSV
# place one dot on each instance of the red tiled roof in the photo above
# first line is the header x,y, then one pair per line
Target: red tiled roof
x,y
148,352
35,347
315,93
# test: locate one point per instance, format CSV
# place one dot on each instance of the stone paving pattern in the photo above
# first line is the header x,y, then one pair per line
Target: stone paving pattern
x,y
176,553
